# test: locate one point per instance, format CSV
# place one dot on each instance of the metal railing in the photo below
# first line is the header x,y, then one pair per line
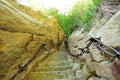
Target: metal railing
x,y
22,68
99,45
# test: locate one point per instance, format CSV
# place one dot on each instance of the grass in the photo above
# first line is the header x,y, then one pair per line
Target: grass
x,y
80,15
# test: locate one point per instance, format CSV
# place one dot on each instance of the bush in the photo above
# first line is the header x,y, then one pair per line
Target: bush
x,y
83,12
80,16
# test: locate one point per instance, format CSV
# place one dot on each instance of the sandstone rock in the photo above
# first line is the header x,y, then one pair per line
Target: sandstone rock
x,y
96,64
83,74
97,56
94,78
103,69
22,32
75,66
110,32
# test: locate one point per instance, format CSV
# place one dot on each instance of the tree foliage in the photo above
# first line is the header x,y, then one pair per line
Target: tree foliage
x,y
79,16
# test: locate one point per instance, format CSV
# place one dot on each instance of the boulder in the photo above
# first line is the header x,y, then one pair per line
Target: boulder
x,y
110,32
97,64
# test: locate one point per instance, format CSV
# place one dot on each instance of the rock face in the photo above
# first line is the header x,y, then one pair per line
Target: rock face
x,y
112,30
97,66
22,32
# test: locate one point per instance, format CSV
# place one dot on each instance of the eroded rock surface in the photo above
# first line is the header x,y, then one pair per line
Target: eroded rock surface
x,y
97,66
22,32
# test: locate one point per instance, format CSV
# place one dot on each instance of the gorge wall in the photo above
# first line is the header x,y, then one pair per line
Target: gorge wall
x,y
106,25
22,32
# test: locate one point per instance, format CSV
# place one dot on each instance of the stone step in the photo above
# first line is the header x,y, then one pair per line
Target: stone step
x,y
70,78
57,59
52,75
69,73
54,68
43,76
59,55
54,63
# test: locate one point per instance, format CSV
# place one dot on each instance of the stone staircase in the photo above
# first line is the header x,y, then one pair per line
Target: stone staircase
x,y
55,67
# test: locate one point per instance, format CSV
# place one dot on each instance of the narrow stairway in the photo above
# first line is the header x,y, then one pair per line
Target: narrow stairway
x,y
55,67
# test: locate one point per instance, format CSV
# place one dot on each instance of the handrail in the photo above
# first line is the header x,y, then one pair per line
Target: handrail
x,y
22,68
99,45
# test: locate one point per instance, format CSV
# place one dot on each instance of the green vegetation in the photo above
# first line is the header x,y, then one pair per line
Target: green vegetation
x,y
81,66
79,16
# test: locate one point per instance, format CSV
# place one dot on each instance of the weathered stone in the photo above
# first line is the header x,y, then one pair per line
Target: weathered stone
x,y
53,68
97,56
103,69
96,63
94,78
110,32
83,74
22,32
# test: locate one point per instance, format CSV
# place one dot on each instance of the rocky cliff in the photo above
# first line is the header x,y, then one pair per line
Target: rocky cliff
x,y
106,25
22,32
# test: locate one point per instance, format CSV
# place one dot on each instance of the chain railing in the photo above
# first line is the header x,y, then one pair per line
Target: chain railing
x,y
86,49
22,68
99,45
